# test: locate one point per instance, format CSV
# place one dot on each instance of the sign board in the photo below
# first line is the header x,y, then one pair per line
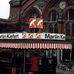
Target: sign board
x,y
32,23
48,36
35,23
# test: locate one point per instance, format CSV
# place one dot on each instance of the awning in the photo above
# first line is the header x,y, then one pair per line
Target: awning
x,y
37,45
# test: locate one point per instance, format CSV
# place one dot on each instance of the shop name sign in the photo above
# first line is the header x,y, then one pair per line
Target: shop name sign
x,y
49,36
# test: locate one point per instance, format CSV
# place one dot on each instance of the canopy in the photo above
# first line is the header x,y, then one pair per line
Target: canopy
x,y
37,45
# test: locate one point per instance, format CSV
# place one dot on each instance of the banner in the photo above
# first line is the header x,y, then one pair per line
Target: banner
x,y
49,36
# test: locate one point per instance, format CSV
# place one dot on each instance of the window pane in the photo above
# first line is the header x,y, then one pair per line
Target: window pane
x,y
35,14
71,15
67,29
54,15
49,17
73,30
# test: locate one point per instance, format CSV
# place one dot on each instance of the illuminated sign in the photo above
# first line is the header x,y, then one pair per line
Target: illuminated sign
x,y
35,23
49,36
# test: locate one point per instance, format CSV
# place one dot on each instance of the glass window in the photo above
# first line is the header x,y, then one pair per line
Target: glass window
x,y
70,14
73,30
35,14
32,13
53,16
53,28
67,29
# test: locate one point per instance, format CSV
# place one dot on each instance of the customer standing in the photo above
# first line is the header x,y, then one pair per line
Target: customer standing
x,y
54,64
45,64
35,64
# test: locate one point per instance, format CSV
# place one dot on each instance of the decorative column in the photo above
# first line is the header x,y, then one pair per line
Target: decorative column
x,y
61,27
58,57
60,23
61,54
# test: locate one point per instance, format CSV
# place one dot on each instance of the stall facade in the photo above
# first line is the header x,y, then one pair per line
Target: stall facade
x,y
36,27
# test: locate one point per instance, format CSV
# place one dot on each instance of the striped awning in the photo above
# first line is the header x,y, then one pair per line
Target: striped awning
x,y
36,45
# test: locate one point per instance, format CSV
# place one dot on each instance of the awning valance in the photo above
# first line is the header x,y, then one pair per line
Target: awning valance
x,y
36,45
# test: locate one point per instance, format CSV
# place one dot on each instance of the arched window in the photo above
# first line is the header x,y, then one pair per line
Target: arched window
x,y
70,14
53,16
32,13
35,14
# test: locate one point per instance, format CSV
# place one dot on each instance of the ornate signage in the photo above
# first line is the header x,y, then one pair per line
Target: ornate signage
x,y
32,23
49,36
35,23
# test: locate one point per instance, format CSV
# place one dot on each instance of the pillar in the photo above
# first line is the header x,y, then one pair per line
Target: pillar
x,y
58,57
61,54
